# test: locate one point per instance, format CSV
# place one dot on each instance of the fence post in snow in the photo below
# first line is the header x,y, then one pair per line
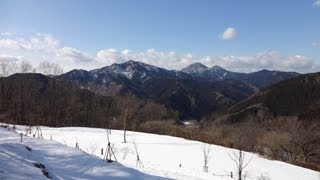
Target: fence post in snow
x,y
21,135
206,153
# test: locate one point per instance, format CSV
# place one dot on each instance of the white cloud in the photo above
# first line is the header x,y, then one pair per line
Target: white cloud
x,y
267,59
110,56
150,56
229,34
10,59
316,3
44,47
45,42
37,42
73,55
10,44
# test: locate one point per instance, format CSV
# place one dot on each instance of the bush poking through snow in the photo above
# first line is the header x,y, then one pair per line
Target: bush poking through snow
x,y
43,169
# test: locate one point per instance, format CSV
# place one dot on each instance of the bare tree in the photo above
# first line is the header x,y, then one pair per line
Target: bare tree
x,y
4,68
125,125
125,151
92,147
138,161
206,153
128,106
306,139
48,68
57,70
293,140
7,68
25,67
239,160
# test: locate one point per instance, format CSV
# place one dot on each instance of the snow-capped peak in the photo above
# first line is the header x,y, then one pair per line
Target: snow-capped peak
x,y
195,68
132,70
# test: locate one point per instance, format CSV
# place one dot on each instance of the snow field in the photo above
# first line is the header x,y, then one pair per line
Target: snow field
x,y
162,155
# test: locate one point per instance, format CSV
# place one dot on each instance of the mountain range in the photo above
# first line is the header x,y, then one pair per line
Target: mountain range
x,y
274,110
194,92
259,79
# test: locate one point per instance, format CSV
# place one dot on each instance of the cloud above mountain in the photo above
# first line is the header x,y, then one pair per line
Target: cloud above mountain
x,y
45,47
229,34
316,3
73,55
37,42
9,59
267,59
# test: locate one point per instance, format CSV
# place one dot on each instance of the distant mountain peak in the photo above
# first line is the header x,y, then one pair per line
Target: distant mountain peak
x,y
216,67
265,71
78,73
133,70
198,64
133,63
195,68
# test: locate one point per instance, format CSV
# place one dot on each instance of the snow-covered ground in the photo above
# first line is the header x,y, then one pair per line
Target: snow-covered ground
x,y
162,156
35,159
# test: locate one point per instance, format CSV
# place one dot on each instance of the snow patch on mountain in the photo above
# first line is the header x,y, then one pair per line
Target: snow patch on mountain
x,y
128,74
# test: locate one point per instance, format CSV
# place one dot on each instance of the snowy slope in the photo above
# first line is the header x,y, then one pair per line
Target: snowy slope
x,y
57,161
162,155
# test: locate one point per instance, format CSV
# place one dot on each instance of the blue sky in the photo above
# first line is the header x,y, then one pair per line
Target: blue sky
x,y
167,33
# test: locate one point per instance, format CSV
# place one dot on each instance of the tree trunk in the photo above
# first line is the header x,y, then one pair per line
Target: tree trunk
x,y
124,130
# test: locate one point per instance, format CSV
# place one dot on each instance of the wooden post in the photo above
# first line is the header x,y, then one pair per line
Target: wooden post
x,y
205,169
101,151
21,135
